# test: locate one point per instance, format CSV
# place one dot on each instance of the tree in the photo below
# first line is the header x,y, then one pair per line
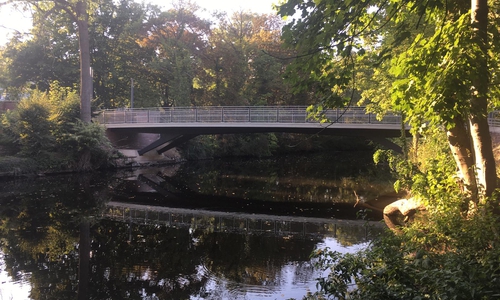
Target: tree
x,y
435,56
50,55
117,55
116,27
77,10
242,63
177,36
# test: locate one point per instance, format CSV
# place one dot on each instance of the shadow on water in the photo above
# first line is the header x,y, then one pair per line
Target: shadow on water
x,y
100,237
317,186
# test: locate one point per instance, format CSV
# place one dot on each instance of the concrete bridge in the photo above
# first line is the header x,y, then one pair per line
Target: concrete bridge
x,y
164,128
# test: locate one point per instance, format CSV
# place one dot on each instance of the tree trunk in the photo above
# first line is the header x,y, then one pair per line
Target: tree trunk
x,y
479,129
85,73
458,139
401,211
485,161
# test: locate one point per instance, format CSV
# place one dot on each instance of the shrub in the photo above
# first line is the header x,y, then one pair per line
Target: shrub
x,y
83,139
442,254
29,127
446,257
45,127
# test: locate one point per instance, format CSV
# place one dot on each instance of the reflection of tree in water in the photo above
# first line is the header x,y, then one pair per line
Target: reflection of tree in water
x,y
39,231
354,235
166,261
252,259
128,258
320,178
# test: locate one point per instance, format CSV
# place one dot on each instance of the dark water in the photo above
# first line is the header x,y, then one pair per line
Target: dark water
x,y
233,229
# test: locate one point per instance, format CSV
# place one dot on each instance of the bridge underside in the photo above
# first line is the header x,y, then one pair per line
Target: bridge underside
x,y
163,137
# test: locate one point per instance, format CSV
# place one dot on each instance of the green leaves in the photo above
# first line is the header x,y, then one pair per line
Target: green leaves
x,y
434,75
433,259
327,38
45,126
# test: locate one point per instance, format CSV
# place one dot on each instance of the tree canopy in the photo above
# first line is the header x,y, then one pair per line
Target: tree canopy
x,y
175,57
431,61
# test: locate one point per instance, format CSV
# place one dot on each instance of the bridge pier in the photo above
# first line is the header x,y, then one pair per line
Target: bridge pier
x,y
171,141
130,139
130,144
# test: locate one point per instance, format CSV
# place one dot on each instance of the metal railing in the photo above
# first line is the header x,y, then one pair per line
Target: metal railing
x,y
238,114
248,114
494,118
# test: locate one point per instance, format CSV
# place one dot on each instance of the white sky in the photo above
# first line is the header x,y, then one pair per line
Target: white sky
x,y
12,20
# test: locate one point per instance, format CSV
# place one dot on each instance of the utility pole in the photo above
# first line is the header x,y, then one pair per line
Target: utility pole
x,y
131,92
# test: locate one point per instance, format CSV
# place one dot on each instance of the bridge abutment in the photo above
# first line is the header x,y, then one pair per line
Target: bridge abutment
x,y
129,143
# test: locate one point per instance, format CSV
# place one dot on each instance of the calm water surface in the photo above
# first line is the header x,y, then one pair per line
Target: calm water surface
x,y
232,229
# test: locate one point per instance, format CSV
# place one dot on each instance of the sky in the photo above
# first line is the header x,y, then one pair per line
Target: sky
x,y
12,20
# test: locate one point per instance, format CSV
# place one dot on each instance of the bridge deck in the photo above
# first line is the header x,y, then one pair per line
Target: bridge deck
x,y
258,119
187,122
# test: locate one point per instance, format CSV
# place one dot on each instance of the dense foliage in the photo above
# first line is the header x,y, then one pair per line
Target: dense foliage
x,y
435,63
45,130
431,61
455,260
172,57
175,57
440,254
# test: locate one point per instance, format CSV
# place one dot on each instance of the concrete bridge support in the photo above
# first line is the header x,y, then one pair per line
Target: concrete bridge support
x,y
130,144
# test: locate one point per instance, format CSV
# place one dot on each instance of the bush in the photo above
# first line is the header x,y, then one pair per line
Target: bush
x,y
442,254
229,145
46,128
28,127
83,139
12,165
428,261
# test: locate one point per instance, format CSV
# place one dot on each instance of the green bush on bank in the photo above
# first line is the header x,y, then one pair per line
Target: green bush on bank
x,y
461,261
17,165
441,254
45,129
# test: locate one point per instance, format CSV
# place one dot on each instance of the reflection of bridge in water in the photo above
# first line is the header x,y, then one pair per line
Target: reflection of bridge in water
x,y
216,221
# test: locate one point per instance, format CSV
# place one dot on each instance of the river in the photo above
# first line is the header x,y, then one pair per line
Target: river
x,y
223,229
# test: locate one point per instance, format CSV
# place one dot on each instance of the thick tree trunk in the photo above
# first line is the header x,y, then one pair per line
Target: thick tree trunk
x,y
458,139
85,72
479,129
485,161
399,212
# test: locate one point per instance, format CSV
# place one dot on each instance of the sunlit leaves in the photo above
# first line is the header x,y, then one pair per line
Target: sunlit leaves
x,y
434,75
329,38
